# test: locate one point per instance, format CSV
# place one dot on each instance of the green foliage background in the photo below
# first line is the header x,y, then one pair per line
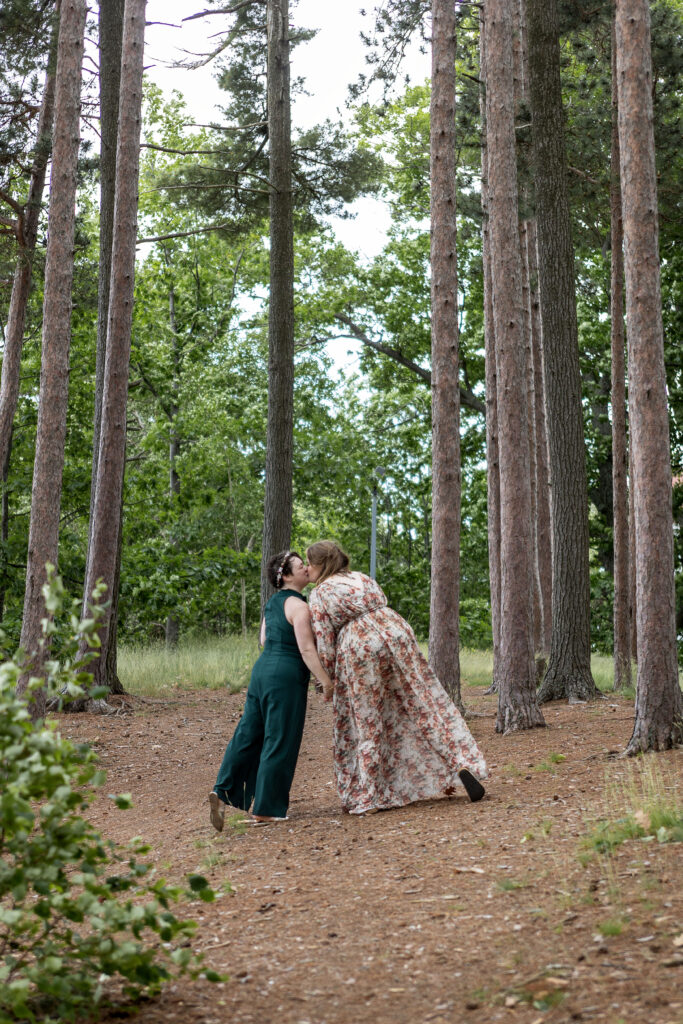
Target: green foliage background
x,y
199,360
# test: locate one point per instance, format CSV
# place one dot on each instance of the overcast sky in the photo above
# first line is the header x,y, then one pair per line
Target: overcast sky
x,y
329,63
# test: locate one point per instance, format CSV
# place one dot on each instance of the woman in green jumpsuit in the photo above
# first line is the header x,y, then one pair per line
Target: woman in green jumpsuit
x,y
260,759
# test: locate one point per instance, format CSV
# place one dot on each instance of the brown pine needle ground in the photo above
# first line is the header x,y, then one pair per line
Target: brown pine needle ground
x,y
439,912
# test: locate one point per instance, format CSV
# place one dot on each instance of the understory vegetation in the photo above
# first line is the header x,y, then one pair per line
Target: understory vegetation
x,y
81,916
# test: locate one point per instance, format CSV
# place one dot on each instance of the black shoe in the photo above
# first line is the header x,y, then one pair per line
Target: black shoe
x,y
473,787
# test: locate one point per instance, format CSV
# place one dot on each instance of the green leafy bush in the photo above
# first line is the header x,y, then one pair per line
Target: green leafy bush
x,y
76,911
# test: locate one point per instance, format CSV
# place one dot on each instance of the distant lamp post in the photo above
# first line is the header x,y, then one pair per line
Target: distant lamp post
x,y
377,473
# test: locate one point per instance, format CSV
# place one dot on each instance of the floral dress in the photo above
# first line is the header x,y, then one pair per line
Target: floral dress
x,y
398,736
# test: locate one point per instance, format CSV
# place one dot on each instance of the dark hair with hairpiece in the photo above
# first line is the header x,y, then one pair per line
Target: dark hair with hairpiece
x,y
279,566
328,555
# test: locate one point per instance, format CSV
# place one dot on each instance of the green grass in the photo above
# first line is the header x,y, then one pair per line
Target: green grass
x,y
510,884
549,764
642,804
611,926
212,664
226,661
602,667
476,667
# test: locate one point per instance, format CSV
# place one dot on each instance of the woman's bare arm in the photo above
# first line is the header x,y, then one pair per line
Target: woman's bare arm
x,y
299,615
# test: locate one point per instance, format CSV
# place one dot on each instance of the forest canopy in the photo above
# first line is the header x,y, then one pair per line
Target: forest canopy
x,y
197,409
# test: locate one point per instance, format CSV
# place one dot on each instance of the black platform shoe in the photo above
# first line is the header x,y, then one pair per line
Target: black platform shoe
x,y
473,787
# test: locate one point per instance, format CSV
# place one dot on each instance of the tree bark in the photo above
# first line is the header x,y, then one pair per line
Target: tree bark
x,y
538,454
517,707
43,543
172,624
110,43
569,671
659,707
277,517
631,550
543,493
622,630
492,455
4,536
444,627
107,508
531,431
110,49
27,233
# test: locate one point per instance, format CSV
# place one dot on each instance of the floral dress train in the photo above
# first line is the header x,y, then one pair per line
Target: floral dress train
x,y
398,736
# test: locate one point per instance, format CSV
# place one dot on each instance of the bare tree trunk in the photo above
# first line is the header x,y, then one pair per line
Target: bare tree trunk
x,y
110,43
172,624
622,632
659,707
43,542
631,551
538,454
517,707
4,535
107,509
444,627
250,544
27,233
110,48
492,457
531,432
569,671
543,493
277,518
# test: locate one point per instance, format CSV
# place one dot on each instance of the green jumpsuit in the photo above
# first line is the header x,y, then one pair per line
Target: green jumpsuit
x,y
260,758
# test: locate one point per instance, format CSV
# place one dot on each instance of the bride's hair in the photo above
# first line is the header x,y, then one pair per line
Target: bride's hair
x,y
280,565
328,555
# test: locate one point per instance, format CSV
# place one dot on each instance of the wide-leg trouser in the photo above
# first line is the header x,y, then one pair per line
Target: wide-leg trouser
x,y
260,759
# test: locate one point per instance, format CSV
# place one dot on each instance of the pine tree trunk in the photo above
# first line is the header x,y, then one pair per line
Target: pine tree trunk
x,y
43,543
172,624
517,707
110,43
27,233
622,633
631,550
492,457
569,670
531,431
110,49
107,509
444,631
659,707
543,493
4,536
538,455
277,518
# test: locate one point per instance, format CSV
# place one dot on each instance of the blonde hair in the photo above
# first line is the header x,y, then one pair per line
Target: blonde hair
x,y
330,556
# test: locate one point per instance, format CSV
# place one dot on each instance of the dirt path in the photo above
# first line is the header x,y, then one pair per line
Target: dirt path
x,y
438,912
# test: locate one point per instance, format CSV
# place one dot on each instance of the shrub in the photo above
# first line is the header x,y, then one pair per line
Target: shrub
x,y
75,909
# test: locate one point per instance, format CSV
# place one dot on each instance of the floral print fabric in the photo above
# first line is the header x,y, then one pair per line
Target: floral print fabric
x,y
398,737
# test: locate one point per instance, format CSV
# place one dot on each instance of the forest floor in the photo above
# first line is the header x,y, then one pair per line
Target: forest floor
x,y
439,912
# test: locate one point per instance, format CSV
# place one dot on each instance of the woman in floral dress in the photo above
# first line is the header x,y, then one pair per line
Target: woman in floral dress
x,y
398,736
